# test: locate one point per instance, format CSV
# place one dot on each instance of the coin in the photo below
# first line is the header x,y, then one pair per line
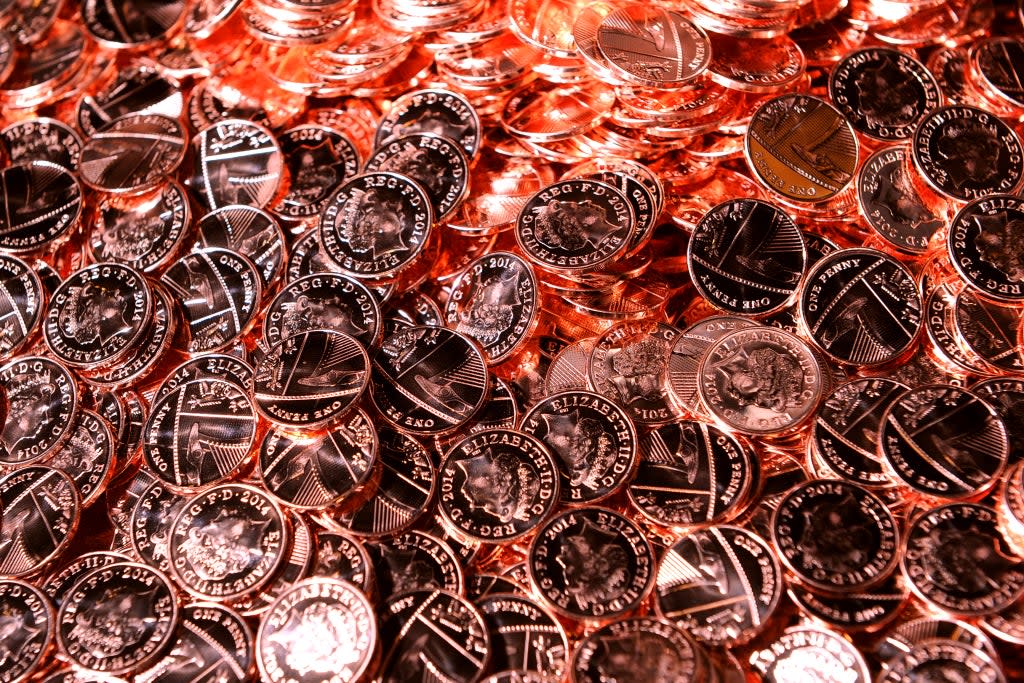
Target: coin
x,y
989,331
854,611
997,64
544,112
319,159
42,399
688,350
87,456
132,154
295,568
131,24
235,162
217,100
639,648
441,112
61,582
904,637
414,561
41,509
151,520
437,164
22,301
810,654
653,47
137,89
523,635
143,232
324,301
755,65
42,139
1005,395
948,656
42,202
339,556
31,620
982,248
208,366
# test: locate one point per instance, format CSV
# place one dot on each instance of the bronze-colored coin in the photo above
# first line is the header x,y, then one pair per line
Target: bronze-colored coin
x,y
989,331
638,648
688,350
944,442
641,186
41,510
891,204
322,470
132,154
208,366
151,520
428,380
755,65
42,139
946,344
861,306
568,369
523,635
306,257
235,162
375,225
909,634
591,564
802,148
497,485
42,202
983,246
437,164
1006,625
998,65
414,561
319,159
131,24
956,560
949,657
339,556
51,63
199,433
320,629
30,622
142,232
138,89
1006,396
27,25
248,231
311,379
227,541
62,581
217,100
325,301
87,456
691,474
220,292
117,618
42,399
854,611
652,46
441,112
965,153
295,568
203,19
810,654
545,112
22,301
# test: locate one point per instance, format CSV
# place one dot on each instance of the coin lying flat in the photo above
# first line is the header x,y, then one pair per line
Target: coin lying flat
x,y
324,301
652,46
42,202
235,162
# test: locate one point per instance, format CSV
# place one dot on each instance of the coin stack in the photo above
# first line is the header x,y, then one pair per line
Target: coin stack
x,y
511,341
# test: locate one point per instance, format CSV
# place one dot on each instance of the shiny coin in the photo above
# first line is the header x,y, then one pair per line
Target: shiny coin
x,y
30,619
652,46
523,635
949,657
802,148
133,23
117,618
999,62
61,582
437,164
306,257
227,541
42,140
42,202
324,301
638,648
50,63
854,611
909,634
688,350
568,369
41,510
235,162
295,568
248,231
311,379
810,654
42,400
414,561
208,366
983,246
891,204
989,330
87,456
22,301
139,89
1006,396
340,556
319,159
440,112
142,232
767,65
151,521
543,112
320,629
216,100
132,154
199,433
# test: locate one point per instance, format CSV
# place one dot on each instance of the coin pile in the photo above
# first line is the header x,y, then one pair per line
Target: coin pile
x,y
511,341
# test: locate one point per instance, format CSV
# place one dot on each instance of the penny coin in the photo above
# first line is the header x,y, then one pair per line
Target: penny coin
x,y
755,65
339,556
854,611
891,204
319,629
203,20
208,366
219,644
436,164
42,399
591,564
746,256
944,340
142,232
219,291
883,92
306,257
652,46
319,471
568,369
61,582
132,154
989,331
29,24
117,618
593,440
199,433
965,153
861,306
801,147
432,634
523,635
42,139
810,654
688,350
414,561
949,657
494,301
997,64
629,364
440,112
983,246
51,62
42,202
22,301
248,231
41,509
131,24
575,225
30,619
325,301
428,380
227,541
216,100
1006,396
497,485
1007,624
319,159
138,89
406,487
87,456
641,186
480,585
311,379
907,635
150,523
944,442
956,559
375,225
691,474
235,162
543,112
638,648
846,430
295,568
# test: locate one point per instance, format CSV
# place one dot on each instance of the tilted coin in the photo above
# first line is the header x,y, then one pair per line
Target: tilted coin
x,y
133,23
143,232
324,301
854,611
60,583
50,63
41,510
688,350
641,186
44,140
989,330
441,112
22,301
235,162
437,164
523,635
340,556
137,89
319,159
216,100
1006,396
29,24
248,231
652,46
132,154
983,245
42,400
810,654
151,520
306,257
544,112
568,369
42,202
31,623
208,366
997,63
907,635
87,456
950,657
295,568
638,648
414,561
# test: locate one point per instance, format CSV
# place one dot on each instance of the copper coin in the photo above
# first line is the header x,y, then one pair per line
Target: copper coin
x,y
854,611
944,442
638,648
949,657
199,433
29,24
217,100
523,635
306,257
203,19
999,62
319,159
227,541
1007,624
811,654
652,46
42,399
575,225
22,301
545,26
340,556
989,330
320,629
142,232
220,292
720,584
480,585
440,112
117,618
414,561
691,474
311,379
437,164
883,92
591,564
497,485
983,246
755,65
137,89
545,112
688,350
909,634
51,63
141,360
375,225
946,343
41,510
87,456
568,369
42,139
965,153
802,148
42,202
208,366
641,186
295,568
428,380
61,582
235,162
132,154
432,634
151,521
1006,396
956,560
30,620
324,301
131,24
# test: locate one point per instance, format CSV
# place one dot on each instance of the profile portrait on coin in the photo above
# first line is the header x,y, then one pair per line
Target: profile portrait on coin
x,y
313,170
761,379
570,225
999,243
435,121
886,94
835,536
639,656
962,559
490,310
638,369
895,198
28,408
305,314
221,547
501,485
374,224
116,622
583,445
130,236
970,150
93,314
415,162
594,566
317,639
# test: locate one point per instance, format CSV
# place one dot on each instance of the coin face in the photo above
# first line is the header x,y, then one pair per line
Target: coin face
x,y
376,224
131,24
42,139
760,66
295,568
42,399
139,89
988,330
802,148
440,112
854,611
428,380
810,654
1000,63
966,153
132,154
87,456
1005,395
545,113
319,159
141,232
42,202
41,508
31,621
227,541
640,648
61,582
688,350
892,205
523,635
652,46
311,379
248,231
950,657
414,561
151,520
320,628
208,366
325,301
575,225
22,301
437,164
340,556
235,162
982,250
